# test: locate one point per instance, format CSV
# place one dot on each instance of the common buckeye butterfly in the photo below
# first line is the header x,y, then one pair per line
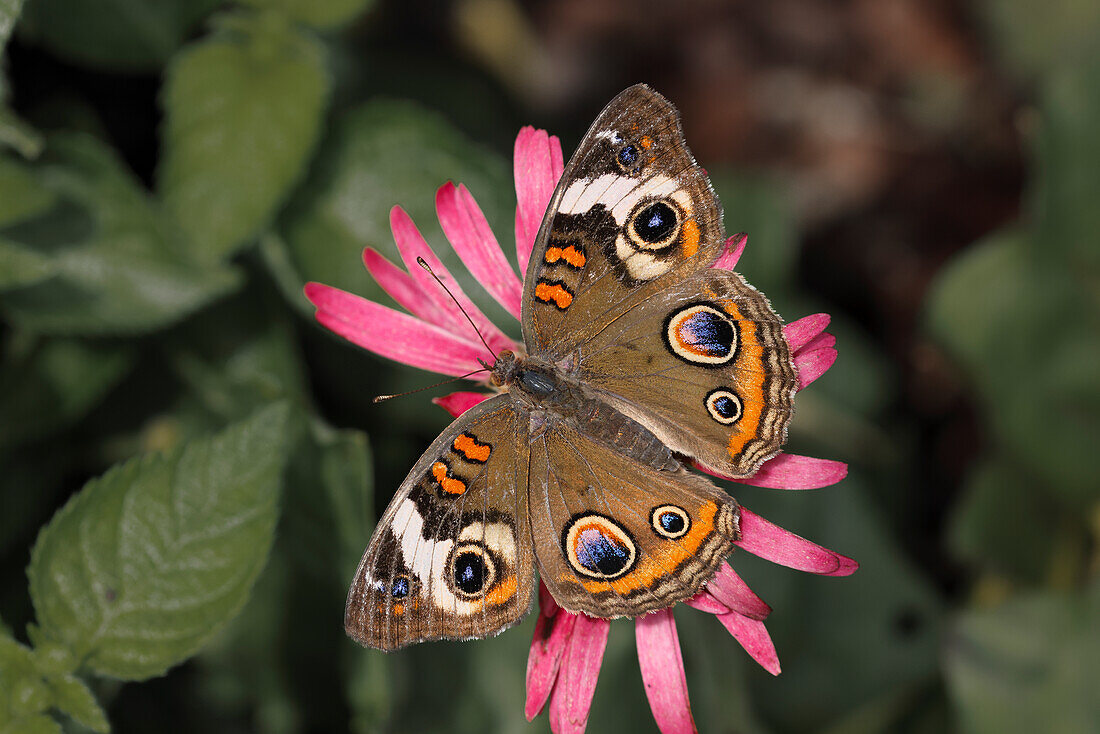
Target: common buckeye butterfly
x,y
639,358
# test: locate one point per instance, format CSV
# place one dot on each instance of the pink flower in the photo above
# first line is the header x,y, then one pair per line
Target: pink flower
x,y
567,649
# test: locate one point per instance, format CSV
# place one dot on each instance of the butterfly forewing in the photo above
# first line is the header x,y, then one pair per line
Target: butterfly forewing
x,y
451,558
631,214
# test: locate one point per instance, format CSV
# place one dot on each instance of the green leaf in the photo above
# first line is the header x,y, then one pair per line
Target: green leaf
x,y
1029,665
759,208
1035,38
16,134
346,477
1004,523
236,357
20,267
73,697
9,13
1067,218
317,13
243,112
22,195
39,724
381,154
118,268
56,383
148,562
122,35
991,306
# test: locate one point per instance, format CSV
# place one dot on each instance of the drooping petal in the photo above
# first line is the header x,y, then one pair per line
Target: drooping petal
x,y
406,291
704,601
732,591
662,666
458,403
547,604
473,240
799,333
572,696
734,247
773,543
821,341
412,246
538,166
754,637
551,640
791,471
393,334
812,365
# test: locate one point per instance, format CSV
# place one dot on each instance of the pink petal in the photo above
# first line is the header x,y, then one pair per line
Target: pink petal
x,y
551,640
538,166
754,637
393,334
773,543
547,604
800,332
662,667
704,601
412,246
572,695
734,247
473,240
821,341
729,589
403,289
791,471
458,403
521,236
812,365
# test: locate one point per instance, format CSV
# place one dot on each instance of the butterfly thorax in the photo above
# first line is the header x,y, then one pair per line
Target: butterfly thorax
x,y
552,397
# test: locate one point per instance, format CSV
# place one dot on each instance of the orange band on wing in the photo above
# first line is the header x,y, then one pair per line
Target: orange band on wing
x,y
690,238
652,568
751,373
449,484
469,447
569,254
502,592
553,293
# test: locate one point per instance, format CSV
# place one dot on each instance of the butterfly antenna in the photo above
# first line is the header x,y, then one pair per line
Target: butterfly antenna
x,y
380,398
424,264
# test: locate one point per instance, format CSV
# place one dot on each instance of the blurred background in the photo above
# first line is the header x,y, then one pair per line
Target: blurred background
x,y
927,171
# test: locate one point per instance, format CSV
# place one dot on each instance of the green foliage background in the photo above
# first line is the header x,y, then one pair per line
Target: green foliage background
x,y
186,461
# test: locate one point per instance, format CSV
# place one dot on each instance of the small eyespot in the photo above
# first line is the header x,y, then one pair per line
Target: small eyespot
x,y
400,588
628,157
724,406
670,521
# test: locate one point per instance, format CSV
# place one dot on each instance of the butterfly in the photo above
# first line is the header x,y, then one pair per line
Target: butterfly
x,y
640,359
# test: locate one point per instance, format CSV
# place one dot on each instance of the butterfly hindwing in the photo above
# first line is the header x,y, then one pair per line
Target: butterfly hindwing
x,y
451,557
631,213
618,535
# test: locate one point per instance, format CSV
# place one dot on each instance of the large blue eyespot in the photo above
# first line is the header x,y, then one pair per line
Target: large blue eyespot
x,y
655,223
472,571
598,547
